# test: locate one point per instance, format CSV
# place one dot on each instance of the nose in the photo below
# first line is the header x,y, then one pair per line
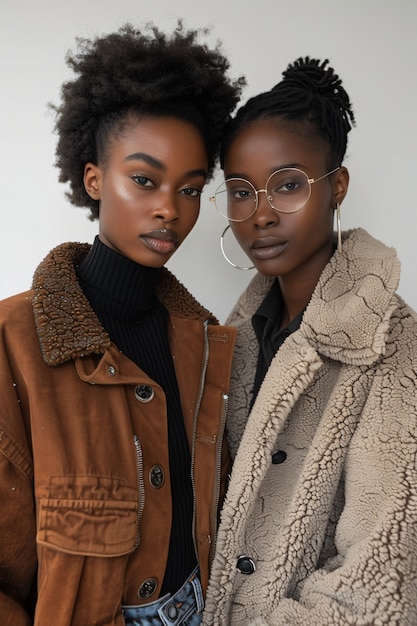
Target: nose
x,y
264,216
165,207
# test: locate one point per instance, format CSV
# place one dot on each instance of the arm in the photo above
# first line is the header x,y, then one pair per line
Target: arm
x,y
373,577
17,518
374,583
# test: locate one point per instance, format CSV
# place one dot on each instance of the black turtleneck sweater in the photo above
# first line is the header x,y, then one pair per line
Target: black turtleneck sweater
x,y
121,292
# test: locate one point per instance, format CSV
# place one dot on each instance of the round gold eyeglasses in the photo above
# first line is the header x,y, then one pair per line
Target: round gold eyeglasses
x,y
287,190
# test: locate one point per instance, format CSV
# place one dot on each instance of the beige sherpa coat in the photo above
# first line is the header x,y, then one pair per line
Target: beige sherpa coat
x,y
332,530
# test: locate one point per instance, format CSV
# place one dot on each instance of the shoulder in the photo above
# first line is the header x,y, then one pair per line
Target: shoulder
x,y
250,299
57,270
17,308
179,301
350,311
401,338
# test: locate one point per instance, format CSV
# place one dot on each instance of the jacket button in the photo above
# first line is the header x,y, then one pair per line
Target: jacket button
x,y
144,393
147,588
111,370
279,457
245,565
156,476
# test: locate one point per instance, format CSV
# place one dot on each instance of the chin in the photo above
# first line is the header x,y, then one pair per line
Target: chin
x,y
266,269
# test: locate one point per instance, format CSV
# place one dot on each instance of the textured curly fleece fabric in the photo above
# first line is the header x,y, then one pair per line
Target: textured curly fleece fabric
x,y
58,296
333,529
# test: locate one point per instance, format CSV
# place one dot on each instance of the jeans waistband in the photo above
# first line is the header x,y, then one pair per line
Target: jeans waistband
x,y
181,608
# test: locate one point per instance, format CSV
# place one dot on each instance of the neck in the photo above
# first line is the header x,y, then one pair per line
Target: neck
x,y
116,284
298,287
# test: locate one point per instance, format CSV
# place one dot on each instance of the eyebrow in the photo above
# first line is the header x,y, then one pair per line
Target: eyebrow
x,y
150,160
271,171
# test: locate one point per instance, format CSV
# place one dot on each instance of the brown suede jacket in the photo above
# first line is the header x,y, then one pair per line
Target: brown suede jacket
x,y
78,444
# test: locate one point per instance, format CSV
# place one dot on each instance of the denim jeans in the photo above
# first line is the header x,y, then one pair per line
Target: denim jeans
x,y
183,607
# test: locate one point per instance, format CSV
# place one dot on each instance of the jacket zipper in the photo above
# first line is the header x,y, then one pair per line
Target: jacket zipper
x,y
218,471
141,488
197,409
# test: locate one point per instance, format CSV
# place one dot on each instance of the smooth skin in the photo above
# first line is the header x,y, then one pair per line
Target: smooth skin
x,y
295,247
149,185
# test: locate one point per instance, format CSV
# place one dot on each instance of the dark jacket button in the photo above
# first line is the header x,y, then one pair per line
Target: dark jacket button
x,y
147,588
245,565
279,457
156,476
144,393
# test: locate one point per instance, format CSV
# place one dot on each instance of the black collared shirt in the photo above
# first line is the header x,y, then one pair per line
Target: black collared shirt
x,y
266,323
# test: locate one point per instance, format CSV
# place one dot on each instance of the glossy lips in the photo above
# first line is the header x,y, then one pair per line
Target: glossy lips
x,y
267,247
161,240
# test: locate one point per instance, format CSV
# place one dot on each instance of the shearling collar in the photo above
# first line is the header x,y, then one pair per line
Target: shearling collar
x,y
66,324
348,315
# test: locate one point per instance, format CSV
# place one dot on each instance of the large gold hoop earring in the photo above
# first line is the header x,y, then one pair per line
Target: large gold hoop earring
x,y
339,227
238,267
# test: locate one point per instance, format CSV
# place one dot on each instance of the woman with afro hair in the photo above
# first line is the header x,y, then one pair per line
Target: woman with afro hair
x,y
319,525
113,379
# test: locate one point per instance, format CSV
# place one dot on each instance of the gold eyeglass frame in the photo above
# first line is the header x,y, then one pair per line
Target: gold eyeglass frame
x,y
265,191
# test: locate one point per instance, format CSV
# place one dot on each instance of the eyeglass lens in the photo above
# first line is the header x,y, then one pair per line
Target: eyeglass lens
x,y
287,190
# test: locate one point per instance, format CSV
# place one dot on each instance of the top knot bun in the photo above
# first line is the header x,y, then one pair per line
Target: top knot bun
x,y
315,78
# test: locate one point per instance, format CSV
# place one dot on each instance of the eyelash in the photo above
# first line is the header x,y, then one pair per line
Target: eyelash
x,y
142,181
193,189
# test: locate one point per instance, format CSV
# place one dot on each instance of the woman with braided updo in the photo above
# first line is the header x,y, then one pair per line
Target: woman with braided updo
x,y
319,525
113,379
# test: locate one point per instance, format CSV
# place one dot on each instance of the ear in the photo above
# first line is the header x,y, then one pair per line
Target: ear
x,y
92,180
340,184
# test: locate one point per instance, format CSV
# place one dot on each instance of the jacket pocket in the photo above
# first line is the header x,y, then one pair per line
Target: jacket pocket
x,y
88,527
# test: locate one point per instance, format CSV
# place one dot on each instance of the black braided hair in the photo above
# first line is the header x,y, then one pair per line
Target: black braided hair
x,y
129,74
310,96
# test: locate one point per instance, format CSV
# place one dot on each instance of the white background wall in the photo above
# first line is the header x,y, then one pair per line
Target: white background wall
x,y
370,43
